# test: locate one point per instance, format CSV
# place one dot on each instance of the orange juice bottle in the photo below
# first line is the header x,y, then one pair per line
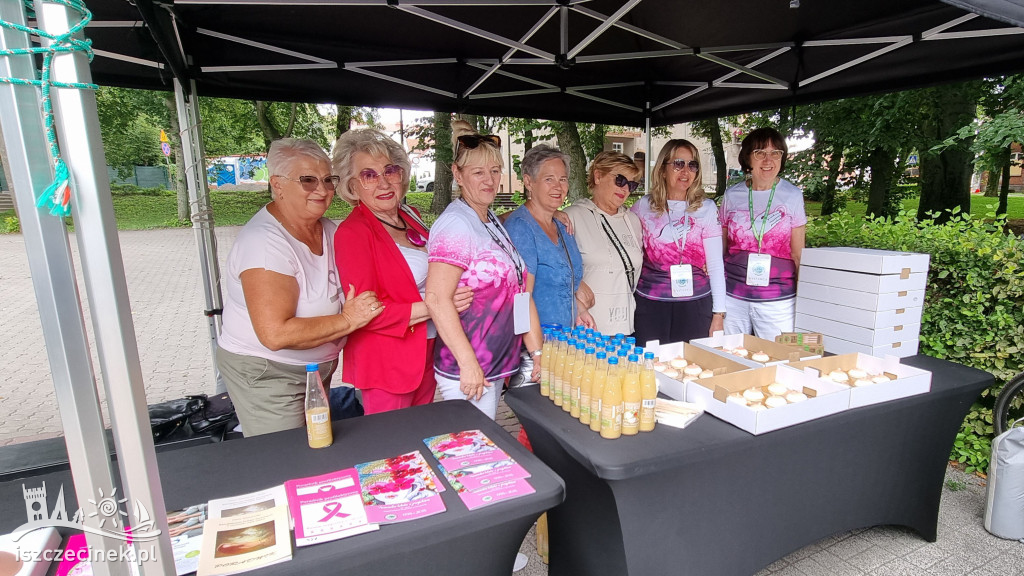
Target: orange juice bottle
x,y
557,367
648,393
631,398
318,410
577,379
611,402
570,367
586,385
597,389
545,372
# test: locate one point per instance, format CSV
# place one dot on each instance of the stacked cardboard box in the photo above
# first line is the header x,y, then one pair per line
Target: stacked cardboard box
x,y
862,300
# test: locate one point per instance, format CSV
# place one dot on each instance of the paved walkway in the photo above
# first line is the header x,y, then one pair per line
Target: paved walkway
x,y
164,286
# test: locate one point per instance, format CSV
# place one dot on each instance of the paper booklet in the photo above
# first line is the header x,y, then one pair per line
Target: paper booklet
x,y
247,503
327,507
242,542
400,489
479,471
185,528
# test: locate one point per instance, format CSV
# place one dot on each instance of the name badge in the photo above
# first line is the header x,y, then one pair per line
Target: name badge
x,y
682,280
759,267
521,312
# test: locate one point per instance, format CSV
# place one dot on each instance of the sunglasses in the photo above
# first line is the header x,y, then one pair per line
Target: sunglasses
x,y
762,154
679,165
311,183
393,174
472,141
622,181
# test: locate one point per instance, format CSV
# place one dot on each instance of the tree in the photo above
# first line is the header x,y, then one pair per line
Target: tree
x,y
441,137
711,130
568,136
946,172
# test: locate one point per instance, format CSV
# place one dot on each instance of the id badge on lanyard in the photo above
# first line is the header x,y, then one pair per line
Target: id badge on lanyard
x,y
521,312
682,280
759,267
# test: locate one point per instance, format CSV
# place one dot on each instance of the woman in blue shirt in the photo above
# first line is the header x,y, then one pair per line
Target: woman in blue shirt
x,y
549,251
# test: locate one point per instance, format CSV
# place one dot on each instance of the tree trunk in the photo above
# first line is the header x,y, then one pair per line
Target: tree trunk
x,y
882,162
721,169
1004,188
343,123
527,140
270,132
568,138
181,191
442,162
946,177
829,203
991,187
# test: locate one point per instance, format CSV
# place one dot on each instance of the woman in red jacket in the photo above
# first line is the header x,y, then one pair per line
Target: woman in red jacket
x,y
383,244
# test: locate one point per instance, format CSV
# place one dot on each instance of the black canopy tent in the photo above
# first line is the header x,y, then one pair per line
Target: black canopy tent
x,y
610,61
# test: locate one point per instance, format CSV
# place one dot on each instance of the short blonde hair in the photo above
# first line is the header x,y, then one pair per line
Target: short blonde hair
x,y
485,153
659,191
607,162
284,152
374,143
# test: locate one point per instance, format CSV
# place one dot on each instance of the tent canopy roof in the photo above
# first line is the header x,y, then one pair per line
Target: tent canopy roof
x,y
608,61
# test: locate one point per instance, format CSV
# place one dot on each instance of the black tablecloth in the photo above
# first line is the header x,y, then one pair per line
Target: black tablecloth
x,y
713,499
459,541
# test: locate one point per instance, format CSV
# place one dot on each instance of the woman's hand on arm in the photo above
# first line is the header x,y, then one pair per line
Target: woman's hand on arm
x,y
442,283
271,299
562,217
462,299
585,296
585,319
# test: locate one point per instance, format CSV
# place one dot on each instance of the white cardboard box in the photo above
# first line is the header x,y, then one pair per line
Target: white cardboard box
x,y
898,349
909,380
857,299
867,260
862,282
857,316
825,398
676,388
779,353
856,334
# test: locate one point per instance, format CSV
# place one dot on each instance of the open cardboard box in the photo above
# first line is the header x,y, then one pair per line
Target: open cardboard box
x,y
909,380
676,388
824,398
778,353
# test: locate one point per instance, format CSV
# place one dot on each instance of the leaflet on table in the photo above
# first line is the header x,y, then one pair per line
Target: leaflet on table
x,y
495,493
327,507
486,474
242,542
185,527
246,503
400,489
458,450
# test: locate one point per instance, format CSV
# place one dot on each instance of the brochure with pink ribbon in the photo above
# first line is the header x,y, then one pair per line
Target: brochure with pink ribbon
x,y
327,507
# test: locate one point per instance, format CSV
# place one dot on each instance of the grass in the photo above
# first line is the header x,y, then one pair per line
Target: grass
x,y
981,207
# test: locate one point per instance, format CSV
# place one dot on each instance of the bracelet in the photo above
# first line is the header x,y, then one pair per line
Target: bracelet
x,y
535,353
722,314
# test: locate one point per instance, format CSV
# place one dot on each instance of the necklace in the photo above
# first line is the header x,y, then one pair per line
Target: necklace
x,y
411,234
389,224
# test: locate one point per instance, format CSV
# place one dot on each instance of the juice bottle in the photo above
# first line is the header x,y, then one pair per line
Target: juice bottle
x,y
318,410
545,372
570,368
586,385
557,367
648,393
611,402
577,379
597,389
631,398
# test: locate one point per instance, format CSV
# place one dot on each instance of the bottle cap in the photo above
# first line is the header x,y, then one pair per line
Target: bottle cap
x,y
562,337
648,355
621,353
638,351
633,358
601,355
631,340
581,345
589,350
312,367
613,360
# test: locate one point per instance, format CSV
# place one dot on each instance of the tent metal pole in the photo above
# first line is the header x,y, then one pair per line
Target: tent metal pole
x,y
78,131
53,280
647,156
201,212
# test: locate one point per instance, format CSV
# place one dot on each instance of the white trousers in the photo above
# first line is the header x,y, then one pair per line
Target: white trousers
x,y
766,319
488,402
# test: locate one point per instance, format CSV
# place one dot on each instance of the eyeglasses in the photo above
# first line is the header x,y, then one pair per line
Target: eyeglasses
x,y
762,154
622,181
311,183
393,174
679,165
472,141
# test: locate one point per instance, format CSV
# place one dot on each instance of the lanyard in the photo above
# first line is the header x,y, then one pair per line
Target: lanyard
x,y
764,220
627,262
509,250
682,231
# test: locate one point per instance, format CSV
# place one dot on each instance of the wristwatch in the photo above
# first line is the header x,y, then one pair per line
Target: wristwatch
x,y
722,314
535,353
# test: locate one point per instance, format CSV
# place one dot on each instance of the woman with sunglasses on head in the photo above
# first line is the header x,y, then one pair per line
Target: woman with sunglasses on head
x,y
469,247
608,236
283,304
763,222
681,293
381,246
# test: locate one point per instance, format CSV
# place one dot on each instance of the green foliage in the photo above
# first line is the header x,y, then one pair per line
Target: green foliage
x,y
955,485
412,183
974,305
9,223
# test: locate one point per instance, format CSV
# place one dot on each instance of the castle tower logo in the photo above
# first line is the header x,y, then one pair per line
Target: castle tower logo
x,y
107,509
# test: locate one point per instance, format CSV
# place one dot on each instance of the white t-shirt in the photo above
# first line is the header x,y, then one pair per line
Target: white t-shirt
x,y
417,261
264,243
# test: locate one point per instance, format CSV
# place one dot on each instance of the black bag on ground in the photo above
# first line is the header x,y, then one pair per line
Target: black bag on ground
x,y
191,416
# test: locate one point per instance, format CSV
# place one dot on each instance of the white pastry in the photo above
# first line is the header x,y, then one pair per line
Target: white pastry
x,y
839,376
737,399
660,366
671,373
794,397
679,363
880,378
863,382
706,374
775,401
777,389
757,407
760,357
857,374
741,352
692,370
753,395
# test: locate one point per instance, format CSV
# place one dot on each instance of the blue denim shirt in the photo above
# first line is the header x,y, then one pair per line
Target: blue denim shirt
x,y
558,268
